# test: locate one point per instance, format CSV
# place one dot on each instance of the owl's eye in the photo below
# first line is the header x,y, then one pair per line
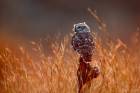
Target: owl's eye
x,y
78,27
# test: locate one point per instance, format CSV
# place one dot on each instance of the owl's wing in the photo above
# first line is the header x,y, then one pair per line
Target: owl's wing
x,y
75,42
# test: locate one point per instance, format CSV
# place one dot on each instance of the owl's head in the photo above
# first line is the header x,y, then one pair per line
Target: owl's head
x,y
81,27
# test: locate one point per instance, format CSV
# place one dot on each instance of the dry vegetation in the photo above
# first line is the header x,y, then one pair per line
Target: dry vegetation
x,y
21,72
30,70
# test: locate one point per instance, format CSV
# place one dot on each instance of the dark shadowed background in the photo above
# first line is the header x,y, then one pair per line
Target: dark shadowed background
x,y
35,18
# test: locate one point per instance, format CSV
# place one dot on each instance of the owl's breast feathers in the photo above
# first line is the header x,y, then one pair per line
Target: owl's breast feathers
x,y
83,43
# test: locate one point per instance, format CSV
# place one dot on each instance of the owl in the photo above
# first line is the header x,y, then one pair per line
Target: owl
x,y
82,40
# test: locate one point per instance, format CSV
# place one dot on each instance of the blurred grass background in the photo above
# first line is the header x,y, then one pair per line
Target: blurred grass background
x,y
25,68
29,64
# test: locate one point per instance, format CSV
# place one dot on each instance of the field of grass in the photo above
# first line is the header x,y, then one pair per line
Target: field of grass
x,y
24,72
27,68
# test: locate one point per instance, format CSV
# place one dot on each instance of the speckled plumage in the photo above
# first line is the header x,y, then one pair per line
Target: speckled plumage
x,y
82,40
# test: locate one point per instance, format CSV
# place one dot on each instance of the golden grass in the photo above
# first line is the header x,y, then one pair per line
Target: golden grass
x,y
26,68
21,72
